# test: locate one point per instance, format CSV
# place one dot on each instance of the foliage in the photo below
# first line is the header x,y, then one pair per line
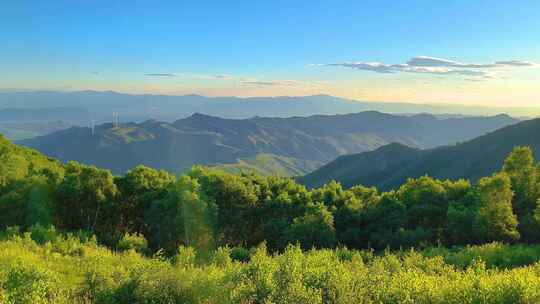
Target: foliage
x,y
492,273
172,237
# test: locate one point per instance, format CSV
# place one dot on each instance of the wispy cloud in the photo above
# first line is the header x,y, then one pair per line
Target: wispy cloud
x,y
283,83
222,76
259,83
517,63
426,61
160,75
435,66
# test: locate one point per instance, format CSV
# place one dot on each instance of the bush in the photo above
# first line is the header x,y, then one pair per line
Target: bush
x,y
30,285
54,273
240,254
133,241
42,235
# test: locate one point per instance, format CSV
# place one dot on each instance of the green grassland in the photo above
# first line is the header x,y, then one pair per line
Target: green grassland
x,y
45,267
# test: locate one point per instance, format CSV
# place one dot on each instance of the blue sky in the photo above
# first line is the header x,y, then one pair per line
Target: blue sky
x,y
252,48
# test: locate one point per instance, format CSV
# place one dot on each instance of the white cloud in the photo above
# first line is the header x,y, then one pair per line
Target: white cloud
x,y
287,83
426,61
222,76
435,66
160,75
283,83
517,63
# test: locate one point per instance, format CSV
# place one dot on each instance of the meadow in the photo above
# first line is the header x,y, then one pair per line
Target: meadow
x,y
43,266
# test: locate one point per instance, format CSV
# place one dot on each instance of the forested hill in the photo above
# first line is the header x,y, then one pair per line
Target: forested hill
x,y
293,145
390,166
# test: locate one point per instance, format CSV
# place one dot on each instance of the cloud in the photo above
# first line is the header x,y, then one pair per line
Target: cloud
x,y
406,68
426,61
435,66
517,63
222,76
475,79
368,66
160,75
270,83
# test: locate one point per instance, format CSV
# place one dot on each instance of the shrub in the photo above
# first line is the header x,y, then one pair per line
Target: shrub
x,y
133,241
240,254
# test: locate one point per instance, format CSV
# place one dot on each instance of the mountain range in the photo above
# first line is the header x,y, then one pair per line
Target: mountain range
x,y
288,146
389,166
86,106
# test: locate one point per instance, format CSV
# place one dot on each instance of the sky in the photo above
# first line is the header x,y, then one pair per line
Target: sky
x,y
450,52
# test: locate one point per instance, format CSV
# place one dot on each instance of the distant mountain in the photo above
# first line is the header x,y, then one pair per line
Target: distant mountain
x,y
100,105
25,130
19,115
389,166
297,143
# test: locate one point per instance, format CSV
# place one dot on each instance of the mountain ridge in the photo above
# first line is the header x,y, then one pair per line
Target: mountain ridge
x,y
210,140
139,107
472,159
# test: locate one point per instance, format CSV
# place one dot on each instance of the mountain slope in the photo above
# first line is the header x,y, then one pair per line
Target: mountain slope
x,y
391,165
269,164
209,140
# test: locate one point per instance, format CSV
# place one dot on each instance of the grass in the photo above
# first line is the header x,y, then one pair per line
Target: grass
x,y
74,269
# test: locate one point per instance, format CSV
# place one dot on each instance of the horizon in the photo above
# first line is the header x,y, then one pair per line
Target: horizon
x,y
435,105
456,54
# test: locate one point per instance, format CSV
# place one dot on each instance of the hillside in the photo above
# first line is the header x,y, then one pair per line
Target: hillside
x,y
269,164
17,163
209,140
391,165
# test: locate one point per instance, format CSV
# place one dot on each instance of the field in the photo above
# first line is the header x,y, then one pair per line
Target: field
x,y
45,267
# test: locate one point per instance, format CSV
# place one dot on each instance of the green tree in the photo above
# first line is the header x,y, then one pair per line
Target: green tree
x,y
496,220
184,217
378,224
315,229
282,200
27,202
138,189
427,202
236,198
519,166
349,217
462,219
86,200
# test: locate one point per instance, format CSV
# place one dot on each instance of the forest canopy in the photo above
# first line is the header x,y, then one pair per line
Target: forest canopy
x,y
207,208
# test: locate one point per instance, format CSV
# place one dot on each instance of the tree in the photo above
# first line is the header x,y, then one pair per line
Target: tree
x,y
496,220
138,189
427,202
85,199
315,229
236,198
281,201
377,225
462,218
519,166
184,217
27,202
349,216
